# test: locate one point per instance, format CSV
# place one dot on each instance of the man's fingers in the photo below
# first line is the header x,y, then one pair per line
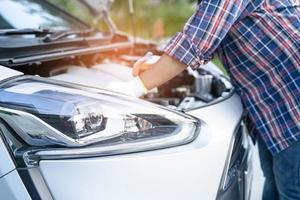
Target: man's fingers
x,y
138,66
144,63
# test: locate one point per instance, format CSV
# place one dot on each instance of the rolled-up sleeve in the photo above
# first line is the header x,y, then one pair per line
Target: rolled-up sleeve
x,y
204,31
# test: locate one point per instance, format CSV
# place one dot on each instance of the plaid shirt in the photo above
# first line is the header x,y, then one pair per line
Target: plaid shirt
x,y
258,41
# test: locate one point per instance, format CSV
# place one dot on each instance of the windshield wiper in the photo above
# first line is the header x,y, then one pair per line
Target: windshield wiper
x,y
62,34
26,31
49,35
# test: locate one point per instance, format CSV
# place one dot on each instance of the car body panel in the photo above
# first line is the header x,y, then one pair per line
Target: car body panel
x,y
12,187
8,73
7,164
191,171
98,76
184,172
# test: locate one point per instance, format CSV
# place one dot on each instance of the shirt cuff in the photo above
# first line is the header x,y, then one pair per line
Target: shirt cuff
x,y
183,49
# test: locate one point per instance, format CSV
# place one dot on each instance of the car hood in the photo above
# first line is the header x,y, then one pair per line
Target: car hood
x,y
99,75
7,73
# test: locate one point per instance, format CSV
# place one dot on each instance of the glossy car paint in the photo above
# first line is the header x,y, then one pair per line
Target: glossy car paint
x,y
185,172
7,73
11,185
190,171
7,164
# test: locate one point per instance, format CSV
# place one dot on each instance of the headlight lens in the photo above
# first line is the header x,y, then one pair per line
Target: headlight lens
x,y
45,113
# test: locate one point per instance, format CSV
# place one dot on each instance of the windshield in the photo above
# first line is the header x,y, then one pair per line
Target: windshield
x,y
35,14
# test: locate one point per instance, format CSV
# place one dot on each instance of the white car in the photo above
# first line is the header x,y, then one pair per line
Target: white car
x,y
65,135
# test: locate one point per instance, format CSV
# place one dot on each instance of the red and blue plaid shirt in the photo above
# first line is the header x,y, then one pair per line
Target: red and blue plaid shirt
x,y
258,41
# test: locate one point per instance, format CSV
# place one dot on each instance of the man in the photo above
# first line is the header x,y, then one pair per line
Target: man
x,y
258,41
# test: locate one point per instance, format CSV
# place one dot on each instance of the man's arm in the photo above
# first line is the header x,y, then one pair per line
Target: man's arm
x,y
196,44
163,70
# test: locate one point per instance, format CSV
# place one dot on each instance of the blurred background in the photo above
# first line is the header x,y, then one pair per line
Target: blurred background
x,y
154,19
157,20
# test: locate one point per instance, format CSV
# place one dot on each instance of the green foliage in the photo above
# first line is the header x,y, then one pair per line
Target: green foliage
x,y
173,13
75,8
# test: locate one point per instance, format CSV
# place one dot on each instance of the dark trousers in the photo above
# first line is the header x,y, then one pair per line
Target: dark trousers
x,y
282,172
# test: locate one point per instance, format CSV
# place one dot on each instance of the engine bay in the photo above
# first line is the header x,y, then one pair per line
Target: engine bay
x,y
190,89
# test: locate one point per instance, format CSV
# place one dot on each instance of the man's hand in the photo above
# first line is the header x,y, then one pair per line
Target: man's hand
x,y
157,72
144,63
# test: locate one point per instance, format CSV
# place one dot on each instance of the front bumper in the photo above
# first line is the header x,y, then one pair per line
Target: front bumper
x,y
191,171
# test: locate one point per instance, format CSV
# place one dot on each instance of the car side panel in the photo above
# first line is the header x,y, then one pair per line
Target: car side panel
x,y
12,187
6,163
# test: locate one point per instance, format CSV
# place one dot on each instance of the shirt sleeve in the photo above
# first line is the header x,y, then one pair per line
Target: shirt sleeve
x,y
204,31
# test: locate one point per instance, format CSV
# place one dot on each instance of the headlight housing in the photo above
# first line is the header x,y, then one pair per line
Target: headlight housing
x,y
59,119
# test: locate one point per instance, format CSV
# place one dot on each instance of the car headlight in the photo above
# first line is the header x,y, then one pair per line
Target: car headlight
x,y
50,116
